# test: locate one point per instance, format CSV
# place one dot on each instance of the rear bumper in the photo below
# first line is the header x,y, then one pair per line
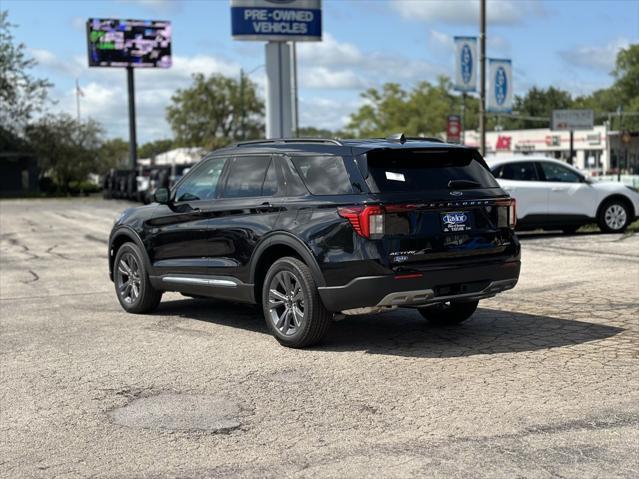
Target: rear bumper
x,y
443,283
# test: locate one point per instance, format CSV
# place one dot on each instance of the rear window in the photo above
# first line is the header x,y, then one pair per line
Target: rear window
x,y
324,175
420,170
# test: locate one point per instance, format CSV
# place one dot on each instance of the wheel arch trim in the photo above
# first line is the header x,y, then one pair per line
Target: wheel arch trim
x,y
287,239
131,234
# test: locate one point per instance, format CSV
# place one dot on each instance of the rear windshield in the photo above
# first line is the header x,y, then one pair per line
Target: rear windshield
x,y
420,170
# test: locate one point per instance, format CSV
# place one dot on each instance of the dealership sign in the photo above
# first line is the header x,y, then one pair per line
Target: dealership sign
x,y
276,20
453,130
572,120
465,63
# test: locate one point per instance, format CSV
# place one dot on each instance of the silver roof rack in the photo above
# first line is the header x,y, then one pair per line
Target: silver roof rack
x,y
329,141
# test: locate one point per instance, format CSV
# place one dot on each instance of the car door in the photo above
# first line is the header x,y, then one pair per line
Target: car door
x,y
568,192
521,180
180,237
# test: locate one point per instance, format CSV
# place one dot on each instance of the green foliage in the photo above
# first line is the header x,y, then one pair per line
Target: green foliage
x,y
152,148
213,112
21,95
68,150
112,153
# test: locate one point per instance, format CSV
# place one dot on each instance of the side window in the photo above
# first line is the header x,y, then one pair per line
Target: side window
x,y
519,171
246,176
497,171
273,182
202,184
559,173
324,175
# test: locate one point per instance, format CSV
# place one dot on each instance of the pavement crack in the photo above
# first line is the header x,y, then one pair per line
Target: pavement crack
x,y
35,277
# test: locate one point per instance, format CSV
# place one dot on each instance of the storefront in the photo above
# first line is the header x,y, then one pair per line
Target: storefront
x,y
596,151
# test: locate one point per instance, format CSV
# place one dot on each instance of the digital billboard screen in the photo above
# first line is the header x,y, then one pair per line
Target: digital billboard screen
x,y
122,43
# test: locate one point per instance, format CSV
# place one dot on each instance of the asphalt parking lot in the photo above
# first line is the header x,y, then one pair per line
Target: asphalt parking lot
x,y
542,382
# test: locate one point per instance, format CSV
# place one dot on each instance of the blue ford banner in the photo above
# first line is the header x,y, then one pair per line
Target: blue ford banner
x,y
500,86
276,20
465,63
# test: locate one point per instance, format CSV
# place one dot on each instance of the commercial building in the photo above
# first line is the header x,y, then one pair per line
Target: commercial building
x,y
597,151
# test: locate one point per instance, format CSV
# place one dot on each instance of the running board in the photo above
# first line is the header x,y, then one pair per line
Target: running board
x,y
201,281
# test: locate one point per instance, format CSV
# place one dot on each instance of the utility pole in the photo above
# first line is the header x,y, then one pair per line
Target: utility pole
x,y
296,118
133,144
78,92
462,136
242,107
482,76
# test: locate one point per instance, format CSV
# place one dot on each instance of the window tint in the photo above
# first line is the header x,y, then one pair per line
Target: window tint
x,y
272,183
246,176
324,175
559,173
203,183
518,171
422,170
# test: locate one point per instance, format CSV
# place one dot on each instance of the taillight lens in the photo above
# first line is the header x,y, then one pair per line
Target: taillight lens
x,y
367,221
507,213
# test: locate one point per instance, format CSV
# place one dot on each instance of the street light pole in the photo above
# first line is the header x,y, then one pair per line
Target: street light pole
x,y
482,76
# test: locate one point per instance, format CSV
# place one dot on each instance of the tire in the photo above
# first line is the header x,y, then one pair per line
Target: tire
x,y
448,314
129,264
300,318
613,216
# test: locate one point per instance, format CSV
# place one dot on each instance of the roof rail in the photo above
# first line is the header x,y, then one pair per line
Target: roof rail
x,y
330,141
403,138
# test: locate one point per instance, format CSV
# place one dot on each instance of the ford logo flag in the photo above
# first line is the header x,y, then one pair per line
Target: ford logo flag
x,y
466,64
465,71
500,87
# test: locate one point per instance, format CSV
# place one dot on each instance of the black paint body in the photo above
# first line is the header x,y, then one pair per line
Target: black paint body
x,y
237,239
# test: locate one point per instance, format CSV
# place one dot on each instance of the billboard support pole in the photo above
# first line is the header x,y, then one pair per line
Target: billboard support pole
x,y
133,145
462,136
279,108
482,77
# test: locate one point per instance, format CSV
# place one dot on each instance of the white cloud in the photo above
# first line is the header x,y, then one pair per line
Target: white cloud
x,y
600,58
326,113
105,95
464,12
332,64
440,41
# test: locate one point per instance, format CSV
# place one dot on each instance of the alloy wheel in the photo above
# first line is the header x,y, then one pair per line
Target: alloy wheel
x,y
128,278
286,303
615,217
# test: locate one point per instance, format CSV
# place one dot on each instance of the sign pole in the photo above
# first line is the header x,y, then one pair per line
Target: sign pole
x,y
133,153
462,136
572,146
279,108
482,77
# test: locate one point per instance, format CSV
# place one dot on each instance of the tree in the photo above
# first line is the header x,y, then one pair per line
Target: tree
x,y
538,102
212,112
68,150
112,153
152,148
21,95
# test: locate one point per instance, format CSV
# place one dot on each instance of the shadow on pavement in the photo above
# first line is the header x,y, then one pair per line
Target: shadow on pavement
x,y
405,333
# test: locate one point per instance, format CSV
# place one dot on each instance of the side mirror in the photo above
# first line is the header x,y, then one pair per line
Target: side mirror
x,y
162,196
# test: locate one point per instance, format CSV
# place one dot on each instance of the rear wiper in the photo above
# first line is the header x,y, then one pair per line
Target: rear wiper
x,y
463,184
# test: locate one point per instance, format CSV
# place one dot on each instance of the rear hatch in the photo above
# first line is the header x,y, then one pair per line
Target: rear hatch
x,y
433,205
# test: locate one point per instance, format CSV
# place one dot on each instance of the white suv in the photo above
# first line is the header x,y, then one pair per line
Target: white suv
x,y
554,195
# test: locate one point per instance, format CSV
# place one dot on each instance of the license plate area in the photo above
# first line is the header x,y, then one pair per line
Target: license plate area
x,y
456,221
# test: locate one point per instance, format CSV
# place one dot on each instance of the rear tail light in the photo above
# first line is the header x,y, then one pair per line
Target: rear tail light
x,y
507,213
367,221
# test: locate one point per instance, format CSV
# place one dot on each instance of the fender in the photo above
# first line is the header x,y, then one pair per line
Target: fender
x,y
130,234
287,239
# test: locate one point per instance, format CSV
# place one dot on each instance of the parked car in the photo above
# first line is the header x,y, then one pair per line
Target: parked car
x,y
315,228
551,194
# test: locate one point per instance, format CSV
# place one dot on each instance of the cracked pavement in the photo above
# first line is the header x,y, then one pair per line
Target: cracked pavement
x,y
542,382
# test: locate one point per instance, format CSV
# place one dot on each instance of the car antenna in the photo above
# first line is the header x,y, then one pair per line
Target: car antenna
x,y
397,137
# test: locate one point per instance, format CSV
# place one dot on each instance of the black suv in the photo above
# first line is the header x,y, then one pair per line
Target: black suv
x,y
315,229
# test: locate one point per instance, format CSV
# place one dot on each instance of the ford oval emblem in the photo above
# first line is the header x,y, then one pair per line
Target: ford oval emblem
x,y
455,218
456,193
466,64
501,86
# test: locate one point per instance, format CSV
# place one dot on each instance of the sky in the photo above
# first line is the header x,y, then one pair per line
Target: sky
x,y
567,44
